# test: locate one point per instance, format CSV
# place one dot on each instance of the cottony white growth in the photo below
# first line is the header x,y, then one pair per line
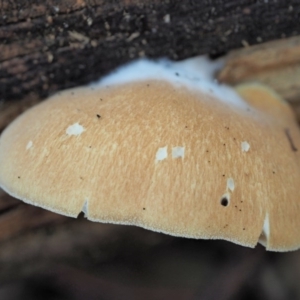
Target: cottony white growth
x,y
195,73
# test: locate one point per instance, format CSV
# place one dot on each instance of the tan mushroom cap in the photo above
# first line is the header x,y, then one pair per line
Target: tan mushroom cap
x,y
171,160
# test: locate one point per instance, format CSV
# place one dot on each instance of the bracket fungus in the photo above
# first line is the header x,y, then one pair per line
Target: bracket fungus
x,y
163,146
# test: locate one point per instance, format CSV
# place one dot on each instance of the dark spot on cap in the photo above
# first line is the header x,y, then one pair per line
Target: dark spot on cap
x,y
144,208
224,201
19,177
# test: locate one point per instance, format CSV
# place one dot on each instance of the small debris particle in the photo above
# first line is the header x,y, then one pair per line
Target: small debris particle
x,y
19,177
49,19
244,228
56,9
177,74
89,21
106,25
133,36
79,37
167,18
98,116
50,57
144,208
245,43
94,43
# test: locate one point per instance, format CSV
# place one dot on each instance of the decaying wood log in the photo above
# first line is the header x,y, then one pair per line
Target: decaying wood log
x,y
50,45
275,63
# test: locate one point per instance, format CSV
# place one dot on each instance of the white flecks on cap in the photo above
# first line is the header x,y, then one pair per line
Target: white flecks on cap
x,y
266,227
178,152
29,145
245,146
75,129
161,154
85,208
230,184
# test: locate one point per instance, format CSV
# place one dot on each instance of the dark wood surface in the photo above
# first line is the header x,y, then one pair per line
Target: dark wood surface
x,y
50,45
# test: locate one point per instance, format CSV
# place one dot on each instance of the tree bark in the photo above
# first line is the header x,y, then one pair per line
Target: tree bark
x,y
51,45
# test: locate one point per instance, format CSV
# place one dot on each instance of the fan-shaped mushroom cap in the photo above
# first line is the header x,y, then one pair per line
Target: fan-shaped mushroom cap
x,y
164,155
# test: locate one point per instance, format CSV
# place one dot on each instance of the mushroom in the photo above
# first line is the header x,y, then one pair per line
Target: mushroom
x,y
162,146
